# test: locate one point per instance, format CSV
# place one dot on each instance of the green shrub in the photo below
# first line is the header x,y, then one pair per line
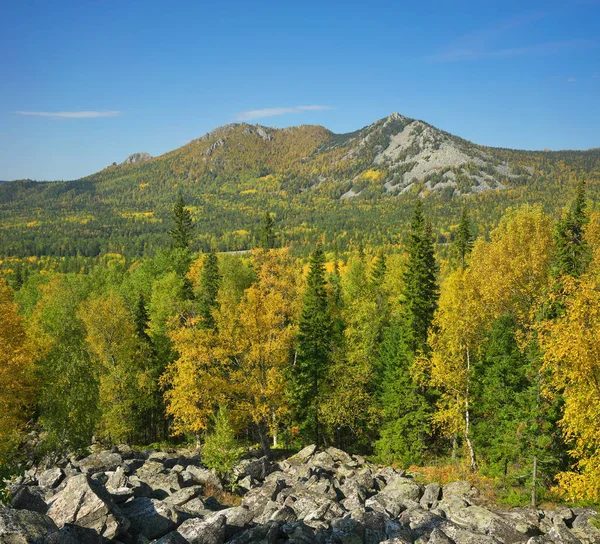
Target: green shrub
x,y
221,451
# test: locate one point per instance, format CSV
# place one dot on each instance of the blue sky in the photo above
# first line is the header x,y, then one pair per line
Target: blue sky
x,y
88,82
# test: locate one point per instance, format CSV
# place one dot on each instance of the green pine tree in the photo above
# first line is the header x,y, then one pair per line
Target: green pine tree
x,y
221,451
181,234
141,318
420,291
266,233
405,410
313,350
210,282
378,271
572,250
463,241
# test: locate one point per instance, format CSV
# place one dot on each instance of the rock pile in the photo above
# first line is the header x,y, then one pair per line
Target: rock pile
x,y
315,496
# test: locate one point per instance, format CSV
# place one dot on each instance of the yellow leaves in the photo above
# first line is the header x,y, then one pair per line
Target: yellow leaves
x,y
141,216
511,271
244,359
372,175
144,185
572,359
17,384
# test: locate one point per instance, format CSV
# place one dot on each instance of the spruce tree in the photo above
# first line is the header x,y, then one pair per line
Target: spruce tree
x,y
463,241
181,237
405,409
378,271
141,318
266,233
572,250
313,350
420,293
181,234
210,281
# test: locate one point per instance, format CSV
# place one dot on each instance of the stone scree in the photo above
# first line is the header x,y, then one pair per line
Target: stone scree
x,y
132,497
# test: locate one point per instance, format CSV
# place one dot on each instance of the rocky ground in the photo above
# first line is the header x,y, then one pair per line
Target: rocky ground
x,y
315,496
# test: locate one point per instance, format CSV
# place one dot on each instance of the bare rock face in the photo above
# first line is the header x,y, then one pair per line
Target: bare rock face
x,y
80,503
137,158
25,527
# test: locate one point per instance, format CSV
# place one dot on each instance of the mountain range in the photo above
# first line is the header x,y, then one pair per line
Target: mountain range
x,y
348,187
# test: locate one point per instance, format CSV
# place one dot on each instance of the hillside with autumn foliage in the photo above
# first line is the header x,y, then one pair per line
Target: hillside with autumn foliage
x,y
341,189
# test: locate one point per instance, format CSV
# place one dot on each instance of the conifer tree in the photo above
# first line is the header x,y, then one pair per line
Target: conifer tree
x,y
141,318
420,291
572,250
266,234
181,237
210,281
181,234
464,237
313,350
378,272
405,409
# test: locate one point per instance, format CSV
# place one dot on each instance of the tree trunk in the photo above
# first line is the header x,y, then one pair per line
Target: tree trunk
x,y
534,482
263,436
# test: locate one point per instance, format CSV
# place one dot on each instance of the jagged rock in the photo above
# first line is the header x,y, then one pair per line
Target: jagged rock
x,y
30,498
203,476
150,517
457,489
104,461
197,531
583,529
561,535
183,496
172,538
304,454
431,495
81,503
73,534
51,478
257,469
24,527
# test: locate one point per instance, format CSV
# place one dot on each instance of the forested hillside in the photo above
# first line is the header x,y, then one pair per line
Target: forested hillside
x,y
485,363
339,189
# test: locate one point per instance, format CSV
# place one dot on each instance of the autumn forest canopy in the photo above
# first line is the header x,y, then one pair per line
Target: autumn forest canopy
x,y
475,350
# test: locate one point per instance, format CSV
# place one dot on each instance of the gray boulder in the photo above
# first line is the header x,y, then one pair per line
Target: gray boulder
x,y
203,476
82,503
51,478
104,461
73,534
197,531
24,527
150,517
30,498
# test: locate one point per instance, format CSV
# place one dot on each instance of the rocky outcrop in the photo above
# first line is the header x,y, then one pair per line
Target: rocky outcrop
x,y
137,158
314,496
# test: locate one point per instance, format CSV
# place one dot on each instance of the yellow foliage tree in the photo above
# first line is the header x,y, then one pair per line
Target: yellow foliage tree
x,y
112,341
455,338
17,384
508,274
243,360
572,358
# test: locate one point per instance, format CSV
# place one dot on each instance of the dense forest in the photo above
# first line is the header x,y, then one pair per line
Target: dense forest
x,y
480,352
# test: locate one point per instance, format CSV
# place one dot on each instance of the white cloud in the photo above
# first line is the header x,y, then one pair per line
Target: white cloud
x,y
571,79
71,114
271,112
